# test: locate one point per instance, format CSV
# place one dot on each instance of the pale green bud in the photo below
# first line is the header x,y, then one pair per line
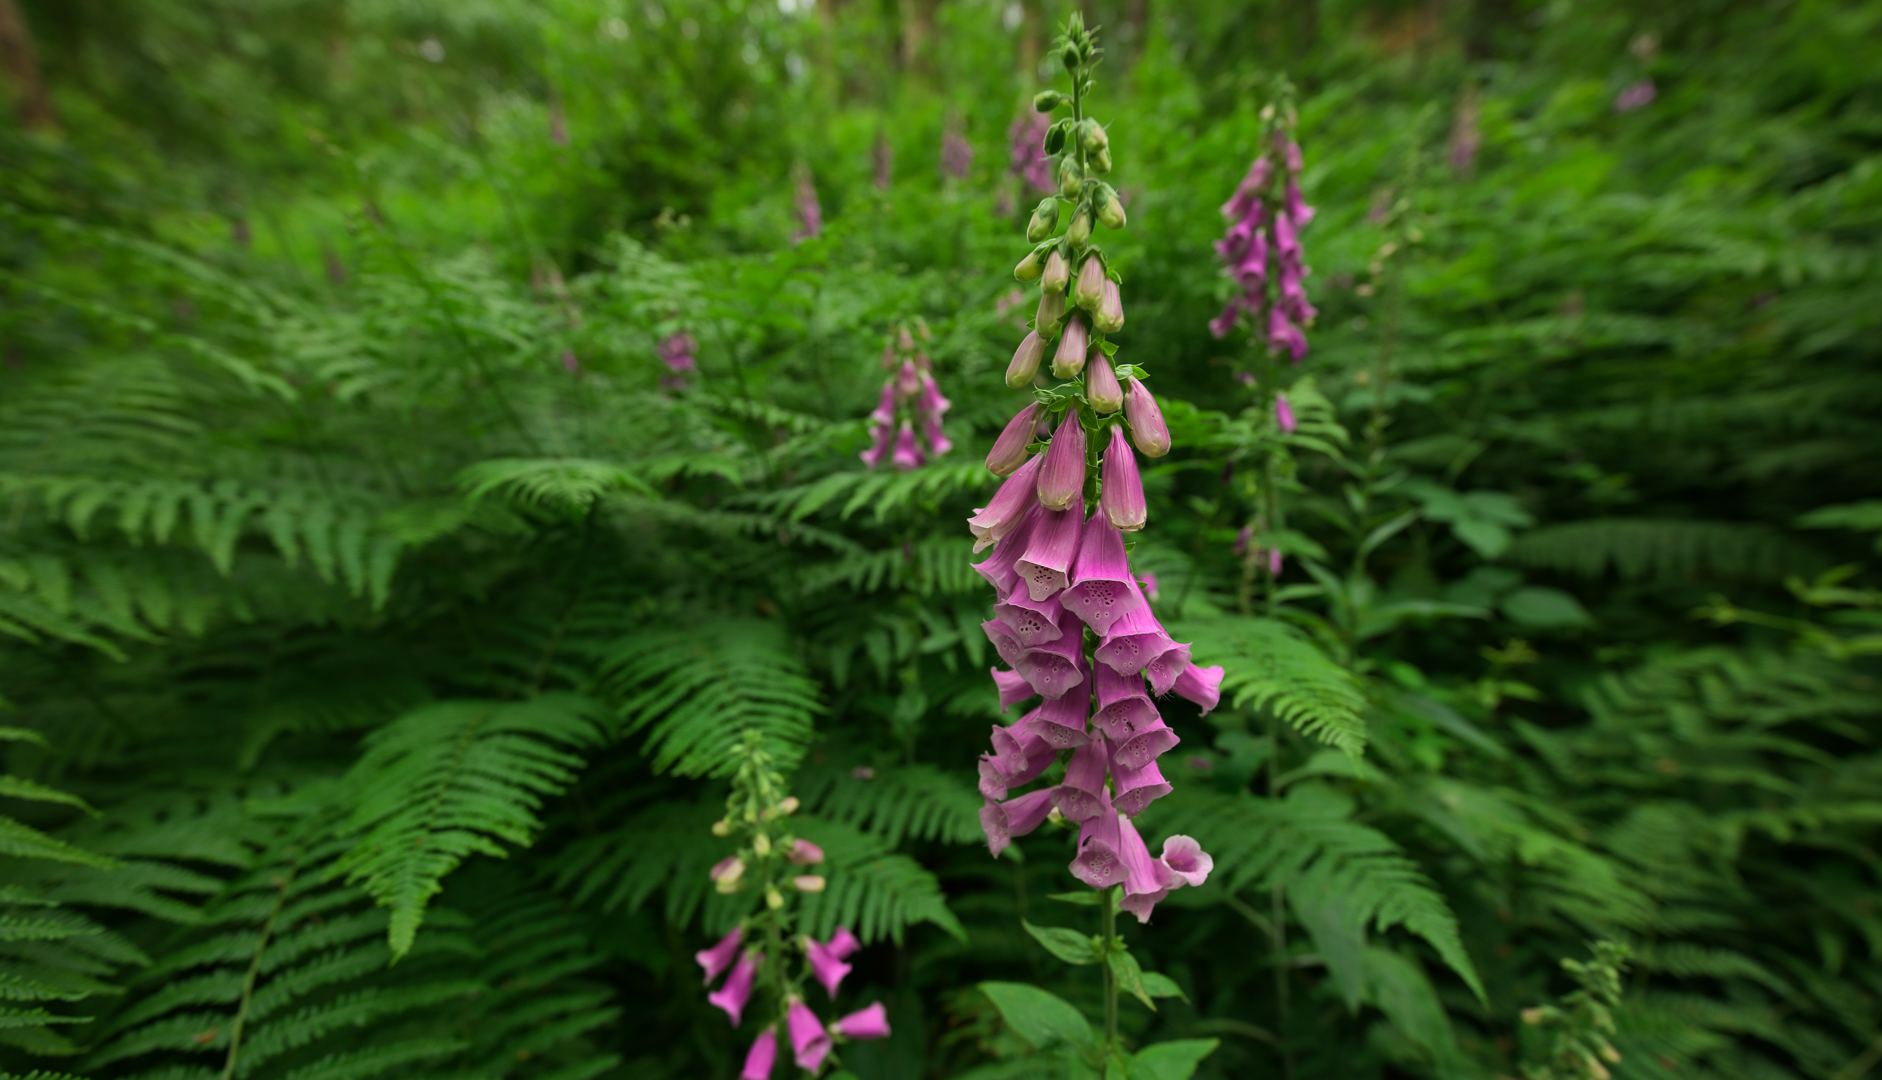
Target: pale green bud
x,y
1093,134
1029,267
1071,177
1051,313
1079,232
1111,210
1058,273
1045,218
1047,100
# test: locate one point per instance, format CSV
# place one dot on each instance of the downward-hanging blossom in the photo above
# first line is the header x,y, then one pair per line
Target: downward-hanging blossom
x,y
1059,566
768,858
1261,251
906,423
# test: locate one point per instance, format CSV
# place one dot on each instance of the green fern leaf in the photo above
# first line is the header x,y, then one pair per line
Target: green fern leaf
x,y
916,801
869,889
1268,665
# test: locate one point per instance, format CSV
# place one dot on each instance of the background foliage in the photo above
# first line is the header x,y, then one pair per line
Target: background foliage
x,y
373,626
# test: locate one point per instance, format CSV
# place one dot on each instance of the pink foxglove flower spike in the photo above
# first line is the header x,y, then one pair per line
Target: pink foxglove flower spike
x,y
737,989
720,956
867,1023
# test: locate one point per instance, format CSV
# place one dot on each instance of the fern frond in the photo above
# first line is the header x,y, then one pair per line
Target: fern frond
x,y
665,845
452,780
869,889
917,801
695,690
1641,548
565,486
1268,665
933,565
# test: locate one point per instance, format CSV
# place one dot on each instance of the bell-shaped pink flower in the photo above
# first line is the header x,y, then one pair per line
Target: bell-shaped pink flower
x,y
762,1056
1124,708
1187,860
1008,506
1122,499
809,1041
1009,450
1019,755
1012,685
878,449
1286,241
1168,667
1135,788
1296,208
843,944
805,853
1200,685
1146,880
1148,430
827,967
1135,740
1284,414
1101,385
1284,335
1250,189
1026,358
885,408
720,956
1081,795
1135,639
1223,323
998,569
1069,360
1062,477
907,380
1099,863
1002,821
1056,667
1034,622
1046,566
868,1023
737,989
938,441
1294,296
1100,592
1251,271
1060,719
907,454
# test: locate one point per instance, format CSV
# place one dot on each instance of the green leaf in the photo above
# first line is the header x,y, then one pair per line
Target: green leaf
x,y
1162,986
1083,899
1174,1060
1041,1018
1130,977
1068,945
1545,609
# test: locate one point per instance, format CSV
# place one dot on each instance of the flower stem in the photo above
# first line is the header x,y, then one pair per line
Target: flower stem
x,y
1109,907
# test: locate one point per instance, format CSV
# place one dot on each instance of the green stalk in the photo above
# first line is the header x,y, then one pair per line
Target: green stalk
x,y
1109,907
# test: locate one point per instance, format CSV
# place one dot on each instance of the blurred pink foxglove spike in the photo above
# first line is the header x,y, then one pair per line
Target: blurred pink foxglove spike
x,y
676,352
1146,880
1202,685
907,381
1284,414
809,211
1148,431
737,989
1046,566
867,1023
957,155
1297,209
1251,271
826,966
1034,623
1098,863
1124,709
1294,296
1069,360
885,407
1242,538
1286,241
843,943
1008,506
1135,788
720,956
762,1056
1284,335
1109,316
1026,358
1168,667
878,450
1090,287
1234,243
1002,821
1101,386
907,454
1637,96
1292,154
1100,592
1081,796
932,402
1062,476
938,441
1122,499
1223,323
1250,189
809,1041
1028,159
805,853
1013,687
1009,450
1187,860
1274,562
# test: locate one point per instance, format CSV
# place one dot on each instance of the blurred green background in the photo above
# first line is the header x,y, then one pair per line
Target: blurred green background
x,y
336,451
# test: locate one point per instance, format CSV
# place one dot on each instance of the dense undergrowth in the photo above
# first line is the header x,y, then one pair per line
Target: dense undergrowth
x,y
377,615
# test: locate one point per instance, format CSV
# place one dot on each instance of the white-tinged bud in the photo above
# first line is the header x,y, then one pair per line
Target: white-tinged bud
x,y
1111,211
1026,360
790,803
774,899
1090,287
1045,218
1101,386
722,827
761,845
1058,272
1030,267
1051,312
1093,134
1101,161
1109,317
1079,231
1070,359
812,883
1071,177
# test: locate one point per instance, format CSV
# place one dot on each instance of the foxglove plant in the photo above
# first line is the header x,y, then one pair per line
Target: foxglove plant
x,y
809,210
676,352
1028,158
1070,620
754,955
906,424
957,154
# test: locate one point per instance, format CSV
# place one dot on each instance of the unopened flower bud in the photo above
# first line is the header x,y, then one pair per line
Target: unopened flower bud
x,y
1030,267
1612,1056
1070,58
1111,211
761,845
1101,385
1058,272
1062,476
1093,134
1110,314
790,803
1090,287
1009,450
1045,218
808,883
1123,497
1025,364
774,899
805,853
1534,1016
1070,359
1101,162
1047,100
1071,177
1079,231
1051,312
1148,430
721,827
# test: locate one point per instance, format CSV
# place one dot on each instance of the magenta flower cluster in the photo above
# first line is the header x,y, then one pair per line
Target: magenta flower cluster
x,y
810,1039
911,401
1262,251
676,352
1028,158
957,154
809,210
